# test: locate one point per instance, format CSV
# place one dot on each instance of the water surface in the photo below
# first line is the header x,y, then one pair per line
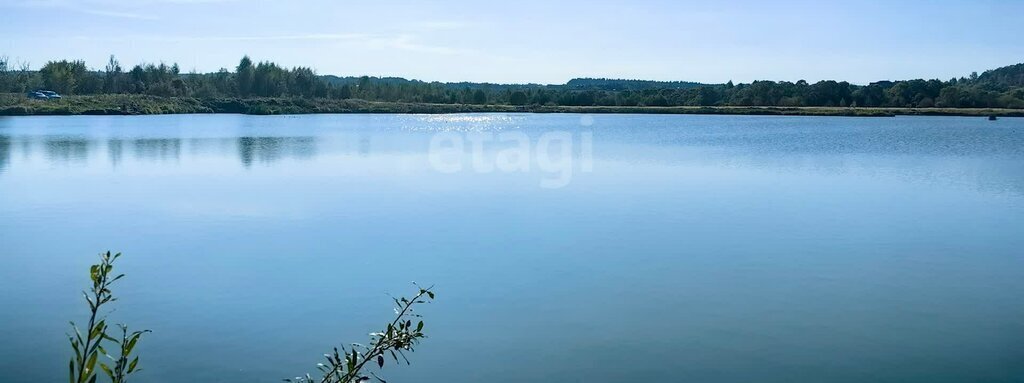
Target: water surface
x,y
679,248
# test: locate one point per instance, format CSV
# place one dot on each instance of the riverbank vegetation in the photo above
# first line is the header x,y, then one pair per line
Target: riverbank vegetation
x,y
267,88
344,365
133,104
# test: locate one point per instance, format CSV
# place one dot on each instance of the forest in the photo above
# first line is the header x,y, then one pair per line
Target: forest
x,y
997,88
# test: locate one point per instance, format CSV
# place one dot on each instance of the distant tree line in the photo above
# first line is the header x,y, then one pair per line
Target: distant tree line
x,y
998,88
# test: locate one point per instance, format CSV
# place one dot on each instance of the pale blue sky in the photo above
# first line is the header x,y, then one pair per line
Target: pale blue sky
x,y
532,41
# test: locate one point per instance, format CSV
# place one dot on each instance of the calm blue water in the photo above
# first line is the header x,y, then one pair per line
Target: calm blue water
x,y
625,248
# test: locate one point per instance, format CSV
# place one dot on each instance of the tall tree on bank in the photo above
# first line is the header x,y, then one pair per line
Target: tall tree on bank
x,y
245,76
113,76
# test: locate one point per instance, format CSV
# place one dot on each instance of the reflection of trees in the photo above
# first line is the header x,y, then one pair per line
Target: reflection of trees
x,y
5,152
157,148
364,146
66,150
269,149
115,149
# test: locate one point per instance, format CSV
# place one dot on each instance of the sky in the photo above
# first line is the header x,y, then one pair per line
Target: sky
x,y
529,41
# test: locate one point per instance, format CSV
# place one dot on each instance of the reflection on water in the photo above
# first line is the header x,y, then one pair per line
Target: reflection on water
x,y
115,149
157,149
364,145
267,150
940,150
67,150
247,150
5,152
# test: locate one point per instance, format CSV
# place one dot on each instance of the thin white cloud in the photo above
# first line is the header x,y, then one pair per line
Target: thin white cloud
x,y
86,7
405,42
153,38
124,15
440,25
408,42
102,3
106,8
182,1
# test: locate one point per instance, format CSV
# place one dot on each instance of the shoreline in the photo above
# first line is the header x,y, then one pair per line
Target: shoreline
x,y
16,105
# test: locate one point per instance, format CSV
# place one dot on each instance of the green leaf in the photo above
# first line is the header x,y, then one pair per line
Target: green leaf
x,y
107,370
380,361
71,371
91,364
96,331
131,344
133,364
74,346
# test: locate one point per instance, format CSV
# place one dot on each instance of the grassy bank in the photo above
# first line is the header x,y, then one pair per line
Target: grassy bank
x,y
18,105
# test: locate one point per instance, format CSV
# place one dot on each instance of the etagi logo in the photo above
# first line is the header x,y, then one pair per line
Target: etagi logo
x,y
556,154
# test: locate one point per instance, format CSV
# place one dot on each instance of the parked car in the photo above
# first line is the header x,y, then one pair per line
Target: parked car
x,y
43,95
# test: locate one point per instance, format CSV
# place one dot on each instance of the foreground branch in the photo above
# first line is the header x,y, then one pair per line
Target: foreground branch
x,y
347,364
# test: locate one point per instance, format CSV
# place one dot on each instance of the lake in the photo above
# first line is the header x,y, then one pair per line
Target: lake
x,y
563,248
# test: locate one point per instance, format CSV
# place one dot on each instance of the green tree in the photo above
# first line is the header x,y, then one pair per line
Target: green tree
x,y
63,76
245,76
6,78
518,98
113,76
479,97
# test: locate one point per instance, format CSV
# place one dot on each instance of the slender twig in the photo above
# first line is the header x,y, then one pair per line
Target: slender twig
x,y
82,367
396,337
378,349
96,332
